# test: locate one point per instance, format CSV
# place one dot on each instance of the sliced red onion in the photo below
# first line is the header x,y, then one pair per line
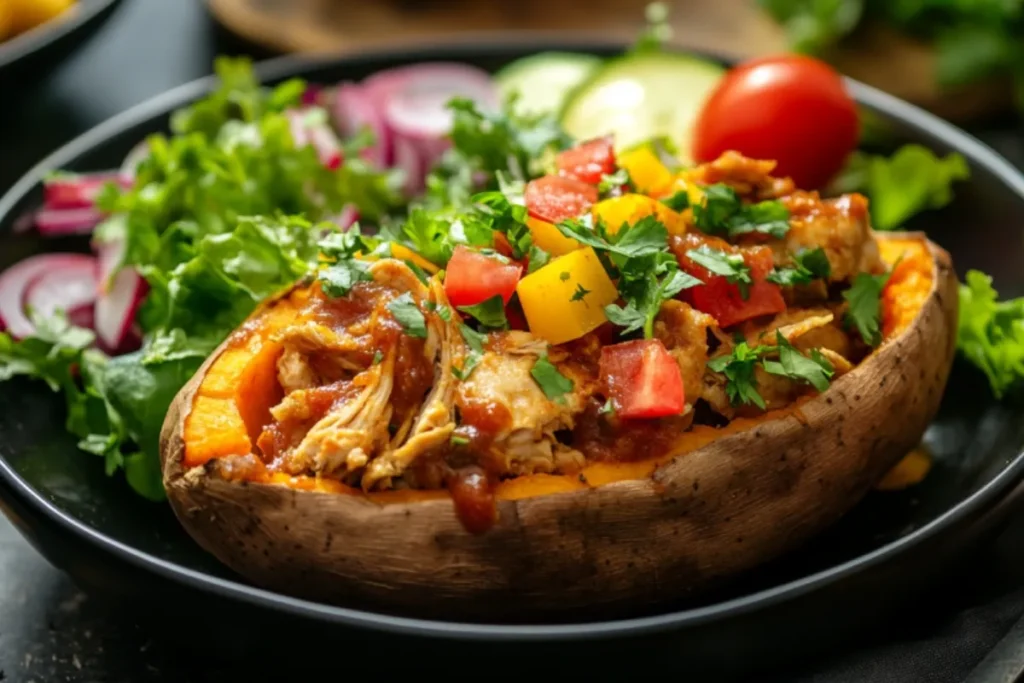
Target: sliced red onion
x,y
84,315
414,98
15,281
70,288
352,110
80,192
121,290
54,222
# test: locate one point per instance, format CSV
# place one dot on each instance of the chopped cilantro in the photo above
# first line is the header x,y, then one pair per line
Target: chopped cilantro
x,y
865,306
490,313
564,276
731,266
815,370
538,258
722,212
608,408
739,369
459,440
809,265
420,274
377,357
339,278
552,382
408,315
679,201
579,293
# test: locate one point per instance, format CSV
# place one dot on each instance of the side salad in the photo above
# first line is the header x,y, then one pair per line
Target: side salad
x,y
253,185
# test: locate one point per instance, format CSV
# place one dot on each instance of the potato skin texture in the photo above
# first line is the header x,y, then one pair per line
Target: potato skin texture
x,y
701,518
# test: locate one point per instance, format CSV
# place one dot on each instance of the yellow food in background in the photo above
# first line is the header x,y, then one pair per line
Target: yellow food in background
x,y
18,16
908,471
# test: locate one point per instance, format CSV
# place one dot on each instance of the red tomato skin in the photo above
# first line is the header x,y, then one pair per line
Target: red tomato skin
x,y
642,379
472,278
555,198
792,108
722,300
588,161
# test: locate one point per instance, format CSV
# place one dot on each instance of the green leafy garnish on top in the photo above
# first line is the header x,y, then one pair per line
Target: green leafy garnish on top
x,y
781,358
552,382
864,313
722,212
638,256
808,265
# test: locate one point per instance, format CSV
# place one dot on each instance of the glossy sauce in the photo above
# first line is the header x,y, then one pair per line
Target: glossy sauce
x,y
607,439
481,422
473,495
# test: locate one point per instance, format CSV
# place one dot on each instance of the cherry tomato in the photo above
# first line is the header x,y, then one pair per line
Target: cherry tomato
x,y
588,161
642,379
721,299
793,109
554,198
472,278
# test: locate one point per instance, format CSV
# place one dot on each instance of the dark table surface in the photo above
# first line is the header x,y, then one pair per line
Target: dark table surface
x,y
50,632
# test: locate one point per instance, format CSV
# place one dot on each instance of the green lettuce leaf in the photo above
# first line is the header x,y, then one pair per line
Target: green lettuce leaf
x,y
990,333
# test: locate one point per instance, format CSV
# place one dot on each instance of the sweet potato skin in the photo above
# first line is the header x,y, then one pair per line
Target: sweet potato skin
x,y
700,518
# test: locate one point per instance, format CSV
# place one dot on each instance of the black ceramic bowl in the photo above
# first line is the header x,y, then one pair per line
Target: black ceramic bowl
x,y
45,44
891,548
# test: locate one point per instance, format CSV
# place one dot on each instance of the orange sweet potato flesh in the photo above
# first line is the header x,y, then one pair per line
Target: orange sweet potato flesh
x,y
233,401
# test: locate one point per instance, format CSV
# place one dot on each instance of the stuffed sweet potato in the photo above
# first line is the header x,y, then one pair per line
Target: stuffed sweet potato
x,y
707,370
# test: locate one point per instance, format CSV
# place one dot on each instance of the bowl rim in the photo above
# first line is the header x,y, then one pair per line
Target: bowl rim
x,y
471,48
49,32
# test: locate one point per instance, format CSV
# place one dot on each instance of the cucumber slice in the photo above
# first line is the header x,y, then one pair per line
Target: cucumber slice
x,y
543,80
639,97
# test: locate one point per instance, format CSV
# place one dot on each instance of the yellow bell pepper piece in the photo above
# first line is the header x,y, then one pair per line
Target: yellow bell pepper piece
x,y
630,208
649,175
546,236
551,299
403,253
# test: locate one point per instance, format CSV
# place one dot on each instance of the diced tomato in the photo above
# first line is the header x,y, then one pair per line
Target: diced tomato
x,y
554,198
588,161
721,299
642,379
472,278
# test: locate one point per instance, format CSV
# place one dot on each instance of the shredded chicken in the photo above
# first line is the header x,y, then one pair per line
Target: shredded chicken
x,y
841,227
684,332
432,428
526,442
751,178
338,365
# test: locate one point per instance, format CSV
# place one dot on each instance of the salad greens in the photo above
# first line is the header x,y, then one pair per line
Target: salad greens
x,y
990,333
974,39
